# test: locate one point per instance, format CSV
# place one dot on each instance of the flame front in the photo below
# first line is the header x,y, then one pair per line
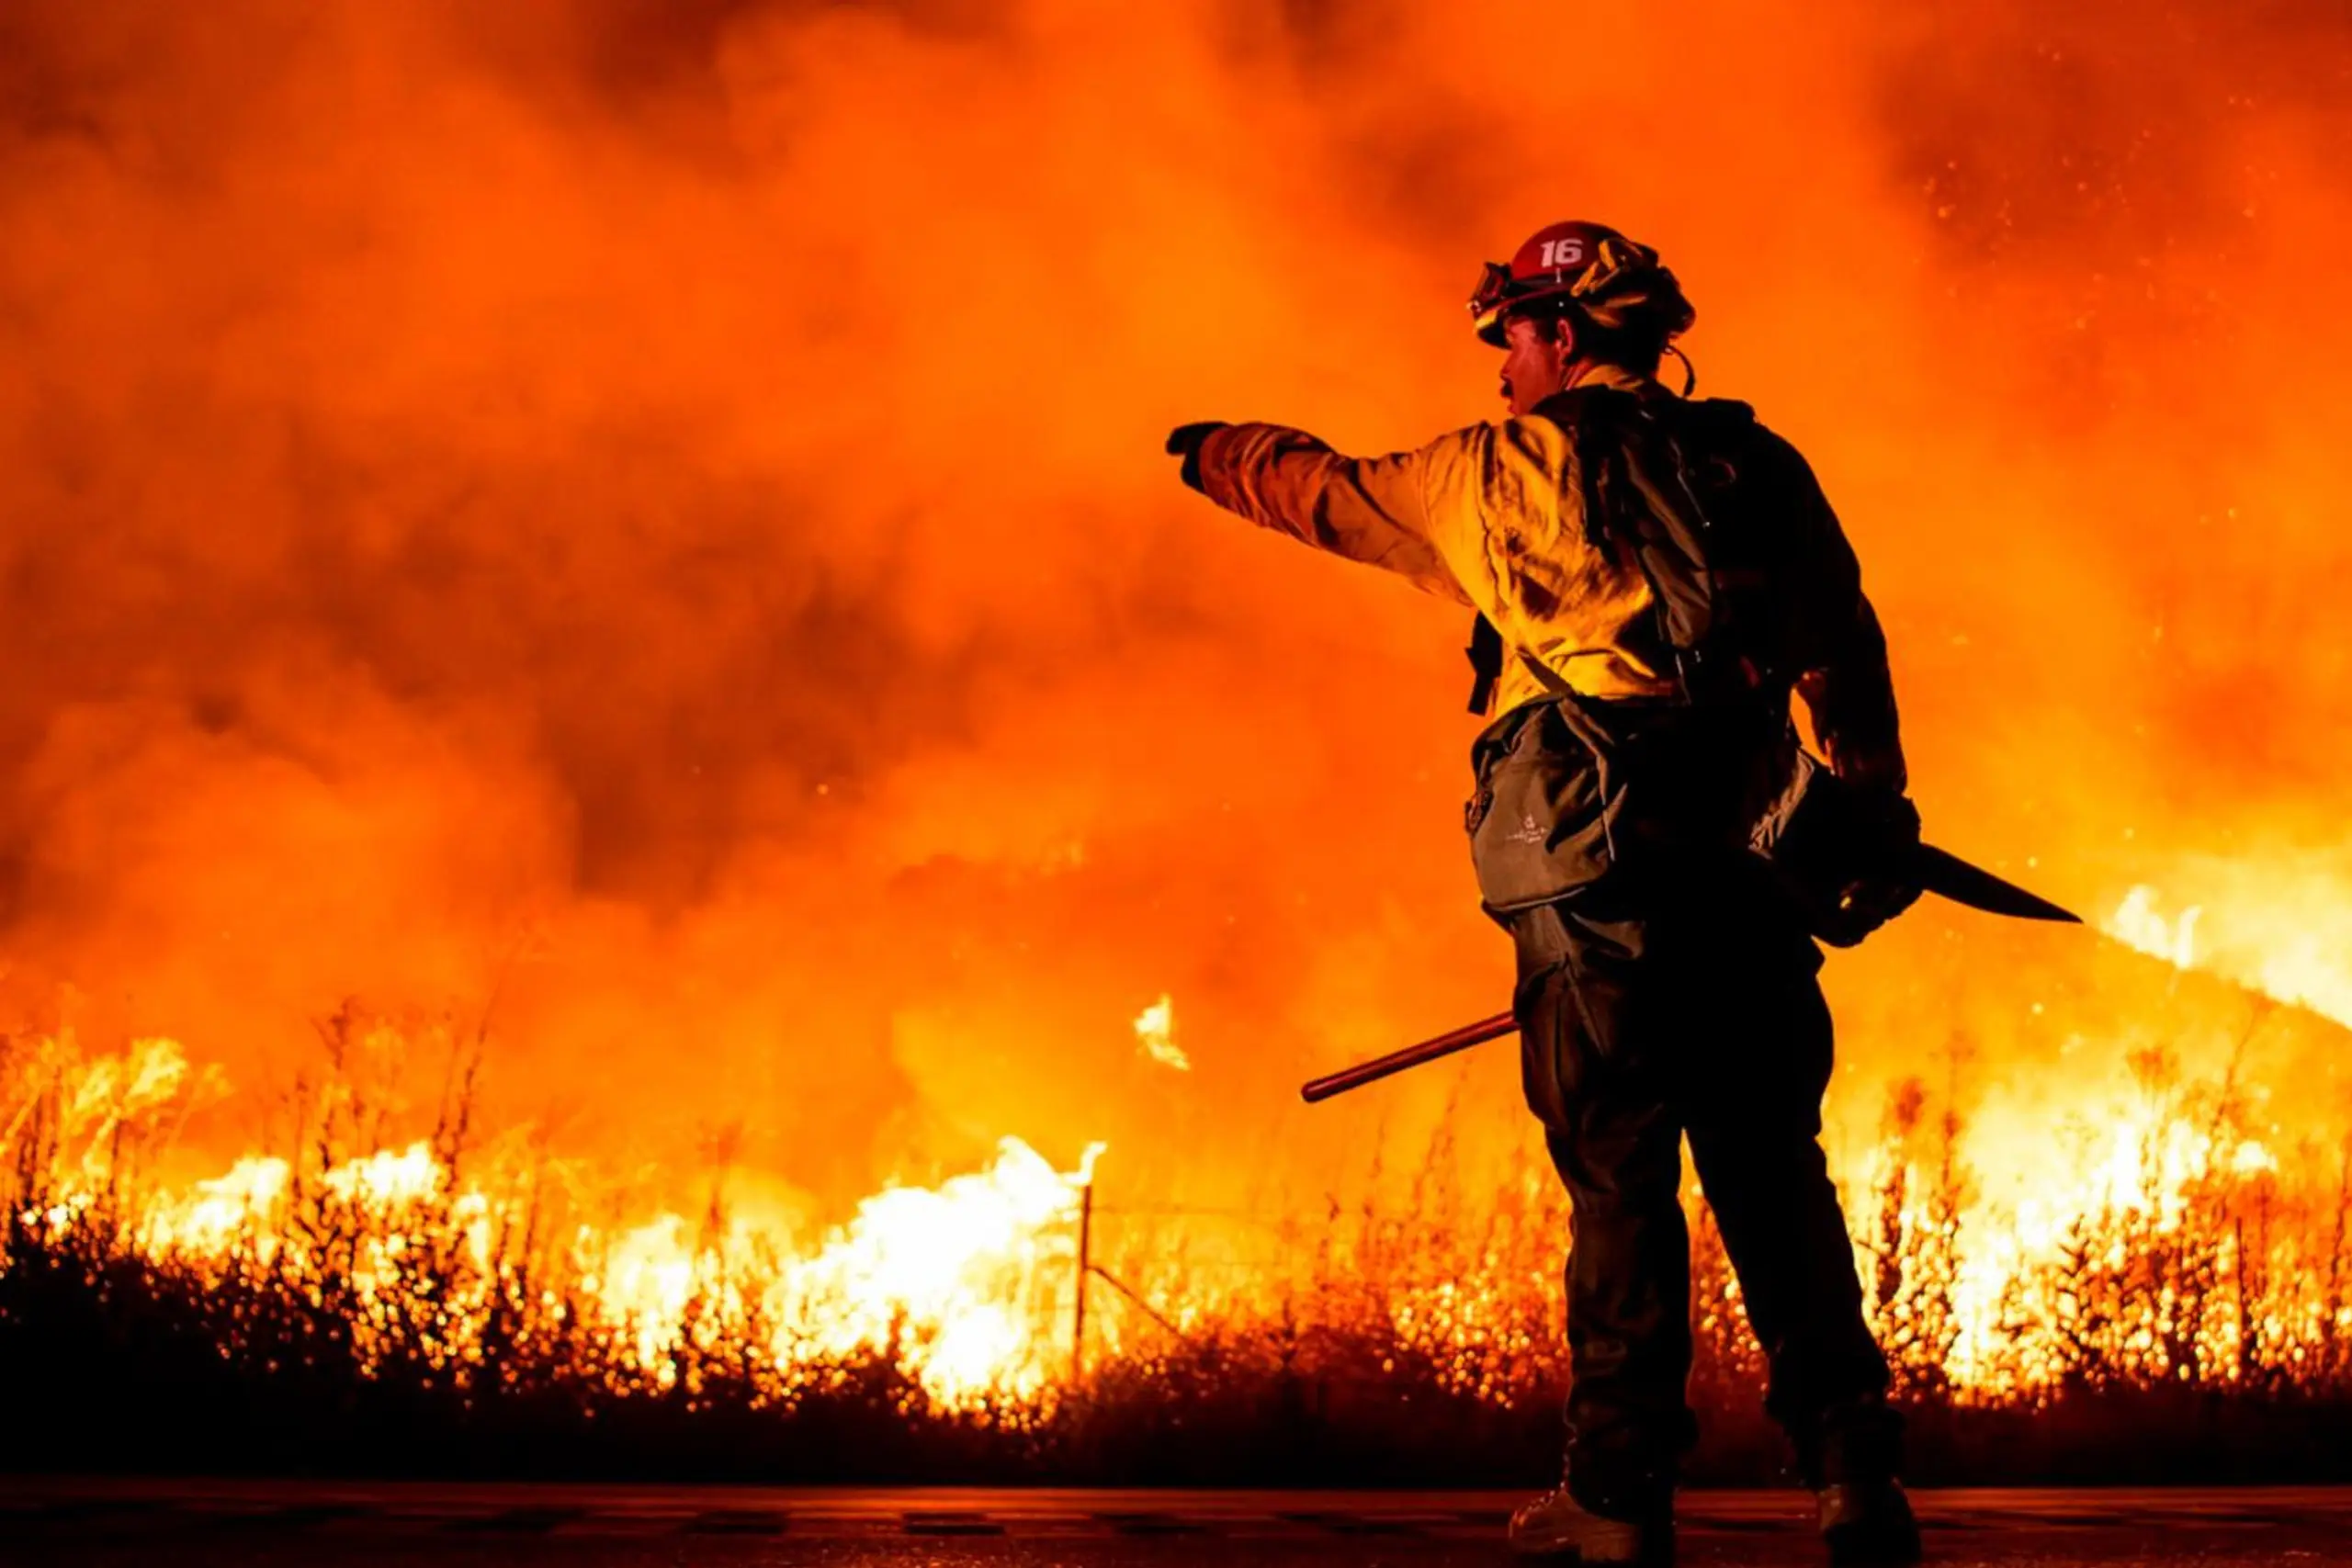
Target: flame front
x,y
956,1285
2154,1231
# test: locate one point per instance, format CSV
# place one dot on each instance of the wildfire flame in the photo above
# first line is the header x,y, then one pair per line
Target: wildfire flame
x,y
1156,1036
2156,1233
957,1282
2137,924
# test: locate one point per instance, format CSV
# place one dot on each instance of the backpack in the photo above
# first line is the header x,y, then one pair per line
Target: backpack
x,y
1569,786
1642,465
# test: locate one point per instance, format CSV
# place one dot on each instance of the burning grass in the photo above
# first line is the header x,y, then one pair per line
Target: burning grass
x,y
355,1298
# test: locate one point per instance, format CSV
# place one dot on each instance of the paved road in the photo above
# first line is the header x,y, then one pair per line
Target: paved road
x,y
105,1523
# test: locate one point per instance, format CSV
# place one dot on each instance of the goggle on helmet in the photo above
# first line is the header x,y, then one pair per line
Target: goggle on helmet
x,y
1584,262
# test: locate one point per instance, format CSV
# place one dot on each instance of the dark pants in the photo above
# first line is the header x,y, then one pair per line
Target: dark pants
x,y
1684,1003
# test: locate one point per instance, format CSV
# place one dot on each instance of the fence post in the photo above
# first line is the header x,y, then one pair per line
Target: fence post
x,y
1085,1268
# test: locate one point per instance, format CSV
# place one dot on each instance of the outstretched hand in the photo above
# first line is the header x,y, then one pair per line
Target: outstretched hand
x,y
1185,442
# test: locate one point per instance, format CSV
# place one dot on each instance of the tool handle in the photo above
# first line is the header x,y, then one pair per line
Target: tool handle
x,y
1379,1067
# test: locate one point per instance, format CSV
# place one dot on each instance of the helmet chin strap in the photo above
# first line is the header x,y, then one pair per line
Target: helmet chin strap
x,y
1572,362
1573,371
1690,371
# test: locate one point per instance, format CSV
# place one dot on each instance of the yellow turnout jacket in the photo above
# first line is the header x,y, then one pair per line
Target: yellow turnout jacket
x,y
1491,516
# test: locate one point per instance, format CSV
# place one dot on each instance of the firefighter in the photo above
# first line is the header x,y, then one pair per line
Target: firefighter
x,y
1671,628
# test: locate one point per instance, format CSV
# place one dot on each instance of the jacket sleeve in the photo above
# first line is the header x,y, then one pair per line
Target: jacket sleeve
x,y
1848,701
1844,688
1374,510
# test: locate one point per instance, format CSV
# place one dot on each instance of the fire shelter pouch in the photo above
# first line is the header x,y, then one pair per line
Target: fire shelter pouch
x,y
1543,818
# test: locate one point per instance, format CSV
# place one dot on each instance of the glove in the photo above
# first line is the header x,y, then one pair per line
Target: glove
x,y
1185,442
1847,854
1884,846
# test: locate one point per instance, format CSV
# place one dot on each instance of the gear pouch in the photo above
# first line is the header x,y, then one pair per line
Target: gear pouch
x,y
1542,819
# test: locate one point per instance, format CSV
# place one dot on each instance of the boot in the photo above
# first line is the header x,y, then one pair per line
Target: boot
x,y
1558,1528
1868,1524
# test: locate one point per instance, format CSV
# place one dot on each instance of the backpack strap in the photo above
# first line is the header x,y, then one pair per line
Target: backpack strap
x,y
1637,494
1486,651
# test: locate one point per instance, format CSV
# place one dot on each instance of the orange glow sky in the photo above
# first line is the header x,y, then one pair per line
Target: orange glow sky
x,y
652,514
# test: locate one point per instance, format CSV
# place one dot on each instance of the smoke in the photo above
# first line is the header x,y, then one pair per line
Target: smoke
x,y
643,523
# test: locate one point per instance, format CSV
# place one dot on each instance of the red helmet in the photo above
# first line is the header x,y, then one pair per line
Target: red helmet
x,y
1602,271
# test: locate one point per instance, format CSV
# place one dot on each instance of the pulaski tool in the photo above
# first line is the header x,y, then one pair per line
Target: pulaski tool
x,y
1937,871
1943,872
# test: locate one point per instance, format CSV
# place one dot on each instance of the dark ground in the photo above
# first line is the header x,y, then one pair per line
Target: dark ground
x,y
282,1525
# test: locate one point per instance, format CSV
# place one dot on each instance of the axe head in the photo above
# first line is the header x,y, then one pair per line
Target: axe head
x,y
1817,837
1947,875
